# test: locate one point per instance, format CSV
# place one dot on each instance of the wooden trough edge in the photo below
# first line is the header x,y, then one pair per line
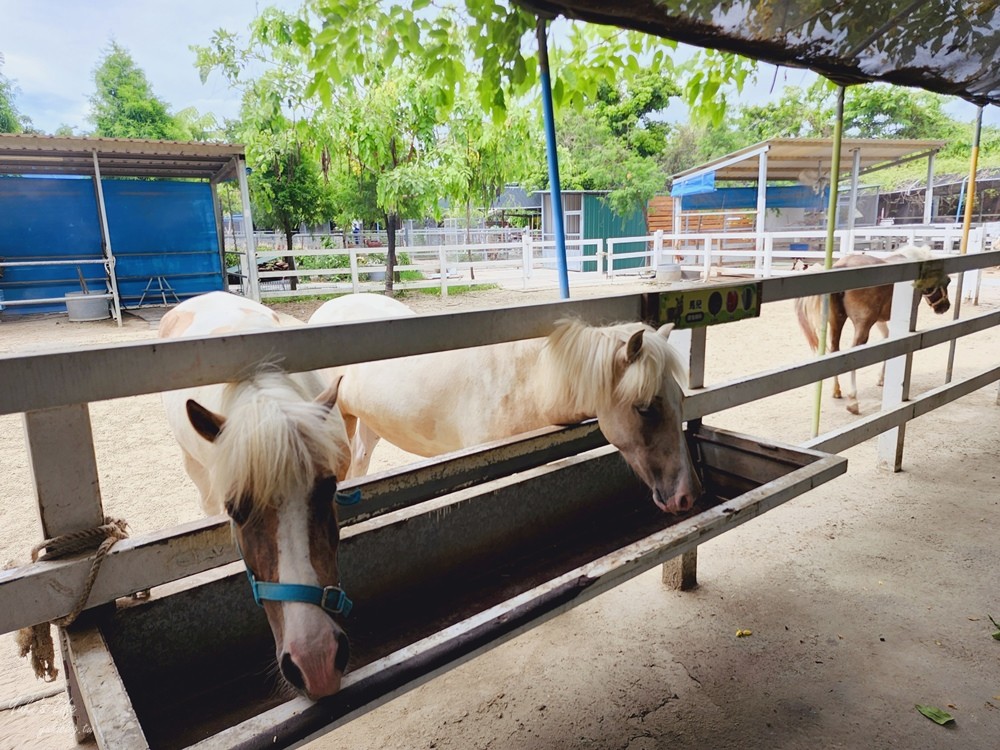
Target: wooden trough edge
x,y
299,720
48,590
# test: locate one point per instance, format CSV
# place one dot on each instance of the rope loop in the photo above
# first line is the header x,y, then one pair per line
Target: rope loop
x,y
36,641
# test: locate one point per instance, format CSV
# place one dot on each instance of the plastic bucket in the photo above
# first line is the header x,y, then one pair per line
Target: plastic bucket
x,y
668,272
83,306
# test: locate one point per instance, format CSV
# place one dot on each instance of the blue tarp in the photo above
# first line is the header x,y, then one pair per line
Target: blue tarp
x,y
703,183
157,228
789,196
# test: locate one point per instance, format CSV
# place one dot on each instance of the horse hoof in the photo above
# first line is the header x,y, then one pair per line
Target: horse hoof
x,y
854,408
836,394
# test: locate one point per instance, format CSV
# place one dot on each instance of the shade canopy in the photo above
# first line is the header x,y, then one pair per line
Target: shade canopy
x,y
801,159
947,46
118,157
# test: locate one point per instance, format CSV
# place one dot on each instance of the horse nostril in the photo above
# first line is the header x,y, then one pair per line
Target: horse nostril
x,y
292,673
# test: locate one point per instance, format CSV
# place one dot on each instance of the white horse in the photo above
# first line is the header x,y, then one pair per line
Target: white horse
x,y
626,375
268,450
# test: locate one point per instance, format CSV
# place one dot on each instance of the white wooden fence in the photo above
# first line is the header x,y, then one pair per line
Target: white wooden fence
x,y
53,391
591,261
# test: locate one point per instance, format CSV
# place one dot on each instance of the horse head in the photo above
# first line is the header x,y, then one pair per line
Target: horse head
x,y
278,457
932,281
643,418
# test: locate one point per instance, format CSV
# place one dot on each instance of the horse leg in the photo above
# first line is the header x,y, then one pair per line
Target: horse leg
x,y
201,480
362,444
838,316
884,329
861,332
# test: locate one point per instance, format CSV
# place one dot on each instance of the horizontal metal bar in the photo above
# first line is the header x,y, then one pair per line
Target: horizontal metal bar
x,y
41,381
864,429
732,393
807,284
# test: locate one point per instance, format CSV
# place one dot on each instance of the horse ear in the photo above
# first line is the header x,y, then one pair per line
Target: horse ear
x,y
633,347
665,330
206,423
328,398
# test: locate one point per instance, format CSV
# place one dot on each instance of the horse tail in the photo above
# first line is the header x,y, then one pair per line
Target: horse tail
x,y
808,311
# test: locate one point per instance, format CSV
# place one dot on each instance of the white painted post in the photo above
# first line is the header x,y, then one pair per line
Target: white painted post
x,y
929,193
657,249
761,211
611,260
601,258
106,237
681,573
252,278
527,255
707,260
352,251
64,469
768,256
902,320
443,265
853,201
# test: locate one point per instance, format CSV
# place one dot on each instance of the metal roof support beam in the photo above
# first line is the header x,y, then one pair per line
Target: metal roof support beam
x,y
551,149
735,159
761,208
896,162
929,194
253,282
106,241
852,204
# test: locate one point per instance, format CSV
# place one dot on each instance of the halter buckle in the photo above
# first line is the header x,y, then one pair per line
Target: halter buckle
x,y
341,603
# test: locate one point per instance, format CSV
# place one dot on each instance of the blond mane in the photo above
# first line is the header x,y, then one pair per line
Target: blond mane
x,y
578,366
276,440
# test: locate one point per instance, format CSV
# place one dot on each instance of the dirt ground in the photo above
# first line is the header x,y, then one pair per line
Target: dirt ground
x,y
865,596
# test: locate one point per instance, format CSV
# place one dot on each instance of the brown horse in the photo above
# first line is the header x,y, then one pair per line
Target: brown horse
x,y
867,307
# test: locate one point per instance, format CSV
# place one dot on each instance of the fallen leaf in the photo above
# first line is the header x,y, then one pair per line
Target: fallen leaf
x,y
741,633
996,635
936,714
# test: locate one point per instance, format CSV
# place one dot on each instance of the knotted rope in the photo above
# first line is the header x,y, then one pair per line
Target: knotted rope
x,y
36,641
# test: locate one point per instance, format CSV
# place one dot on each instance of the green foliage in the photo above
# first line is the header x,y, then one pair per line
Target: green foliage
x,y
11,119
123,104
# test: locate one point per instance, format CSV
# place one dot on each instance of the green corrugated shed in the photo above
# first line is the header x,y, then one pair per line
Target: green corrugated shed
x,y
600,221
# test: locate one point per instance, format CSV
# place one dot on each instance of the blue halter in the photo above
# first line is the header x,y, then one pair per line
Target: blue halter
x,y
331,599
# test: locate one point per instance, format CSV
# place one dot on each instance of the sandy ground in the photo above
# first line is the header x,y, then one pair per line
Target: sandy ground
x,y
865,596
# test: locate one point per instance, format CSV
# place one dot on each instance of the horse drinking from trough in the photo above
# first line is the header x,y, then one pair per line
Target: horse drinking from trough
x,y
868,307
626,375
269,450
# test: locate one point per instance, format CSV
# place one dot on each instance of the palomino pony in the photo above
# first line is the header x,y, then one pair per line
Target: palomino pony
x,y
268,450
626,375
867,307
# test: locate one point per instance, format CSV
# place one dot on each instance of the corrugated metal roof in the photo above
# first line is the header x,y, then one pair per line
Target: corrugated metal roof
x,y
948,46
788,158
118,157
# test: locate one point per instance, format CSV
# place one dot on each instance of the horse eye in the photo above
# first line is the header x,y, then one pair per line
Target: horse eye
x,y
325,489
238,510
647,412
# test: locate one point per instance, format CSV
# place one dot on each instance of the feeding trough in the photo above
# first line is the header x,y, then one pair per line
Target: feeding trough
x,y
437,577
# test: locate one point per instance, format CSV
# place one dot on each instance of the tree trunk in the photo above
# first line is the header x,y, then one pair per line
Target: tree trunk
x,y
391,220
290,259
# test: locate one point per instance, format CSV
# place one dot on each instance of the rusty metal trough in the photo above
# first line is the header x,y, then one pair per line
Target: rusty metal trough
x,y
435,582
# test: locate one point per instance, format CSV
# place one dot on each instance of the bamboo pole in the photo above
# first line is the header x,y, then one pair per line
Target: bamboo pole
x,y
831,227
970,199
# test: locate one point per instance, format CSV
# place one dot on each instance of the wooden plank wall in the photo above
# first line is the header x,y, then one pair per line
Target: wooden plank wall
x,y
660,212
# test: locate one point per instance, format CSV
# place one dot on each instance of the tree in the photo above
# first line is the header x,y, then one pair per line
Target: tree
x,y
11,120
123,104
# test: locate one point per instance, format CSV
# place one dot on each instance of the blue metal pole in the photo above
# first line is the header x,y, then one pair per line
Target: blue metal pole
x,y
553,158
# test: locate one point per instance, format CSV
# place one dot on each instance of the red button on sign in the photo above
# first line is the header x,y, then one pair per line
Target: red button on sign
x,y
732,300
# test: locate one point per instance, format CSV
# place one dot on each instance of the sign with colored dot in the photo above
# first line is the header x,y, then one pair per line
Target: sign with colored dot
x,y
693,308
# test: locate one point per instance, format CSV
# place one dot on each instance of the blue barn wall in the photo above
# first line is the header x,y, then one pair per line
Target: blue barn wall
x,y
157,229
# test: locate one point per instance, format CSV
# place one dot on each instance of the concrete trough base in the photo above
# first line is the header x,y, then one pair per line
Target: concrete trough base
x,y
434,584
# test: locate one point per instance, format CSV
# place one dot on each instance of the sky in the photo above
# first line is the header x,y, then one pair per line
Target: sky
x,y
51,48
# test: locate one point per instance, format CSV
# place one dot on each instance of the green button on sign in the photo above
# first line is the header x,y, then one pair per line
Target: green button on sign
x,y
691,308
